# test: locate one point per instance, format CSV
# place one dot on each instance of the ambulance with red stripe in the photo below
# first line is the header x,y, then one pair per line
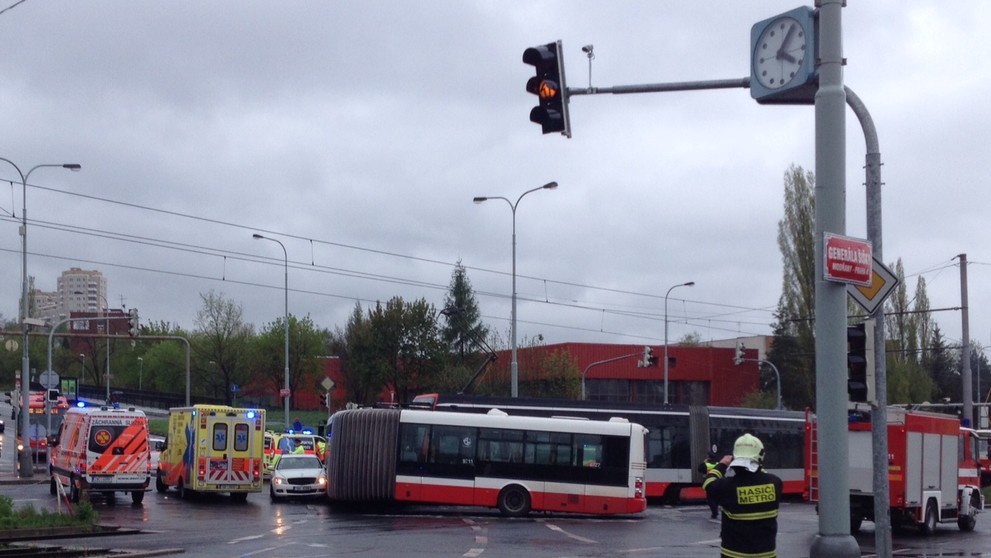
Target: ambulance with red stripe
x,y
213,448
101,449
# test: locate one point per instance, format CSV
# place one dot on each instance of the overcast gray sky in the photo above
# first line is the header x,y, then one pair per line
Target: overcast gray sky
x,y
357,133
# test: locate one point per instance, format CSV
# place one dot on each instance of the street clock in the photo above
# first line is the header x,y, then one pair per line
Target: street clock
x,y
783,52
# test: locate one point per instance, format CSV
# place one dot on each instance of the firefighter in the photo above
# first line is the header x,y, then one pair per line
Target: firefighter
x,y
749,499
709,464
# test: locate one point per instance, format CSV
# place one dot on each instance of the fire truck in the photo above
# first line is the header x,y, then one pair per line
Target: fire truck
x,y
40,413
933,472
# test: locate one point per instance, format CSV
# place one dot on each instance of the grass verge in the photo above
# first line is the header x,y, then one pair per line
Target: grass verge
x,y
26,517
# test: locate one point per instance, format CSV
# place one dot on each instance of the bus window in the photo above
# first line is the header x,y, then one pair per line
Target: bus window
x,y
452,445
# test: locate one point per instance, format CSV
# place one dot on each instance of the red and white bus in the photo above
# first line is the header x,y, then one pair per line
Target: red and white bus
x,y
514,463
681,436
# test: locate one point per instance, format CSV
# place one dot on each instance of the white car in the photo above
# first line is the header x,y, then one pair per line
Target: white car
x,y
297,476
156,449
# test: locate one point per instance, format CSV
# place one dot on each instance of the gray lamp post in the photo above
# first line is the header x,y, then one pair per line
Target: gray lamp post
x,y
514,366
141,371
285,386
688,284
25,457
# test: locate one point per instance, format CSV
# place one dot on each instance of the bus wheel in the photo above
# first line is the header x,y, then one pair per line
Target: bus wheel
x,y
514,501
928,526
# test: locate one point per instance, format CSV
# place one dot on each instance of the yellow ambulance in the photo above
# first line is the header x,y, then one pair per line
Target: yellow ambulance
x,y
104,450
213,448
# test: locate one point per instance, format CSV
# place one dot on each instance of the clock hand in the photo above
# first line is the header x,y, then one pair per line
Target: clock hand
x,y
783,50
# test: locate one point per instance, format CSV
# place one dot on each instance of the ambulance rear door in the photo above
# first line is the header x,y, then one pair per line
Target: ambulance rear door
x,y
231,453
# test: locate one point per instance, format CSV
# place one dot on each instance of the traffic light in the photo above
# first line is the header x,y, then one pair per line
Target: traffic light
x,y
649,360
856,362
325,399
549,86
132,322
738,356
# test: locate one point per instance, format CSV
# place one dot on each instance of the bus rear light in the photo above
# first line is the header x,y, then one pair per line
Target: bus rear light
x,y
638,487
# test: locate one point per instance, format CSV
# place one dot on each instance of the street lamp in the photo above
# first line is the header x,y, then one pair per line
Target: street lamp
x,y
285,386
141,370
688,284
514,366
25,458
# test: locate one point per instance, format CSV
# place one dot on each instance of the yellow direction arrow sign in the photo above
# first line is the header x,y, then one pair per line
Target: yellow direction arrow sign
x,y
871,296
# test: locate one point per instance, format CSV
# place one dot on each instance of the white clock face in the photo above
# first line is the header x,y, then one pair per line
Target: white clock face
x,y
779,53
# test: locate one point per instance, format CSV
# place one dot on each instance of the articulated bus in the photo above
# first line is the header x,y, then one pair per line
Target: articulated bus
x,y
680,437
40,414
513,463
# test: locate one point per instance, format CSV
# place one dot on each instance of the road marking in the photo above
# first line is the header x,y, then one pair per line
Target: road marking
x,y
242,539
570,535
480,538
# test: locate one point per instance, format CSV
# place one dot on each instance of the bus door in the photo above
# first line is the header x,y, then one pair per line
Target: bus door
x,y
230,453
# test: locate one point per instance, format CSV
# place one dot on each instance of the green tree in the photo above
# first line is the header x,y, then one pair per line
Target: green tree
x,y
462,323
793,346
942,368
221,343
306,342
405,344
359,361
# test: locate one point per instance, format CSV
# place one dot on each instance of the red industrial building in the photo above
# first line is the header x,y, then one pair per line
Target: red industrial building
x,y
697,375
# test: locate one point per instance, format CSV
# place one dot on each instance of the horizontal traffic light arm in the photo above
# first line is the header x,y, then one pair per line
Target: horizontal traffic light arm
x,y
663,87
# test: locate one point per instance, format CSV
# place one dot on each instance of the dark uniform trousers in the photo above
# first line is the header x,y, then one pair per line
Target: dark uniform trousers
x,y
750,510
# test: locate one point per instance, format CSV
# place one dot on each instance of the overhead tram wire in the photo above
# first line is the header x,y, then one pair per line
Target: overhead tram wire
x,y
337,271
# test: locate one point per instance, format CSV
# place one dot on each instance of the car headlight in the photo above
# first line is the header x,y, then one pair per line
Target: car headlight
x,y
322,480
278,480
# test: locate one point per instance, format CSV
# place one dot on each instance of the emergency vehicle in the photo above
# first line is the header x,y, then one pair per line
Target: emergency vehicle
x,y
932,470
277,445
40,414
213,448
104,450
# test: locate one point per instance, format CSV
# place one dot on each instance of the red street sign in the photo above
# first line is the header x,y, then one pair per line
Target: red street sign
x,y
848,260
283,392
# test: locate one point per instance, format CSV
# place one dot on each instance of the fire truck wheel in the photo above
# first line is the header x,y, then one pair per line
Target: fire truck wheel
x,y
928,526
137,496
159,485
966,523
514,501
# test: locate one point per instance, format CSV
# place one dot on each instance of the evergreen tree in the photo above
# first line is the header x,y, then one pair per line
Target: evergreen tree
x,y
462,324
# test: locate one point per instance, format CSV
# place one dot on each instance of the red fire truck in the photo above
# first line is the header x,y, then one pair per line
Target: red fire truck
x,y
38,422
933,471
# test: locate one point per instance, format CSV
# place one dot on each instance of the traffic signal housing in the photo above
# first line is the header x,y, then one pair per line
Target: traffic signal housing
x,y
549,86
649,360
856,362
738,356
133,328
